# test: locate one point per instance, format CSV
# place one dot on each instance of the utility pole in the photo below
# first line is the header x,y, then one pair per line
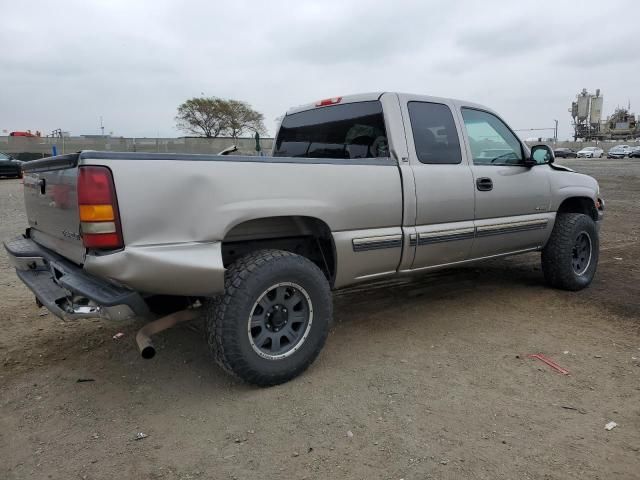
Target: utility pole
x,y
555,133
101,126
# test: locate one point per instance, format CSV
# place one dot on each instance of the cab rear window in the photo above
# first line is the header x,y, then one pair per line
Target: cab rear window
x,y
351,130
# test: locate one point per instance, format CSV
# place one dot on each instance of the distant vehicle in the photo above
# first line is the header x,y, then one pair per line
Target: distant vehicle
x,y
619,151
22,134
565,153
590,152
9,166
635,152
627,149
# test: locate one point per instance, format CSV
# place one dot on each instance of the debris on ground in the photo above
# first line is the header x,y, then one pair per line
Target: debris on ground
x,y
43,313
141,435
349,434
82,380
549,362
610,426
118,336
569,407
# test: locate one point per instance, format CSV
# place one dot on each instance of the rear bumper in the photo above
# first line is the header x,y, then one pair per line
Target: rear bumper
x,y
66,289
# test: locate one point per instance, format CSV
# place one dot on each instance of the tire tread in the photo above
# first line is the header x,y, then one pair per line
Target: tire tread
x,y
221,340
556,272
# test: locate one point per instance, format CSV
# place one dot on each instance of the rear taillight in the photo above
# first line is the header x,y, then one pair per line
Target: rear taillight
x,y
98,208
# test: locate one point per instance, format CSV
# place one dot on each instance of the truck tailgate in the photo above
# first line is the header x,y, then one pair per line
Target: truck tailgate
x,y
50,193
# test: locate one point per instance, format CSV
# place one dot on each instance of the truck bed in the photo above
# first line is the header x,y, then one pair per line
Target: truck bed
x,y
175,210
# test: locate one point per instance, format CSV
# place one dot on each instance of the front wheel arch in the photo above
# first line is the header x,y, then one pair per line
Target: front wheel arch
x,y
582,205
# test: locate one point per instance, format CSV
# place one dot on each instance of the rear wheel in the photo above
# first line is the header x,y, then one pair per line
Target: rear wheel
x,y
273,319
570,258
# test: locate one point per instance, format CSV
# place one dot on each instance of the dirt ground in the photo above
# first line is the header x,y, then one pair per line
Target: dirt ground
x,y
423,378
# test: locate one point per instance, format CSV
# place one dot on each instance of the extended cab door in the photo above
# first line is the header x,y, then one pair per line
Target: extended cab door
x,y
443,229
512,200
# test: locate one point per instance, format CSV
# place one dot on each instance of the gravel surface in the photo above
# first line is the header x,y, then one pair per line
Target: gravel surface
x,y
420,378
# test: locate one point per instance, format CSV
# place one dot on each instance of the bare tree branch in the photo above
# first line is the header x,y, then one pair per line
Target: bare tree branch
x,y
211,117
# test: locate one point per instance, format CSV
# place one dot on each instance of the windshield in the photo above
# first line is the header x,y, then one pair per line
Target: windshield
x,y
4,156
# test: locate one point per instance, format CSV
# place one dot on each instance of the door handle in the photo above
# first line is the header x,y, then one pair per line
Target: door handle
x,y
484,184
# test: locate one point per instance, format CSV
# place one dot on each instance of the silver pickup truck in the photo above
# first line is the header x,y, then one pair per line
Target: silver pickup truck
x,y
357,188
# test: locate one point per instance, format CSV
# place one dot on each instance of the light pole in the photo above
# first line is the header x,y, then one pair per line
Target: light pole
x,y
555,133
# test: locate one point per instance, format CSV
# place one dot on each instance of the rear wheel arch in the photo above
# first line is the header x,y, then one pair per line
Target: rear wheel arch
x,y
307,236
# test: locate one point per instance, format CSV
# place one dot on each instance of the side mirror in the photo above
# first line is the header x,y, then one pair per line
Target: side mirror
x,y
540,154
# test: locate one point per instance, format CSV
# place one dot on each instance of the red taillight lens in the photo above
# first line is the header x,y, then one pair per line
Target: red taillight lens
x,y
98,208
95,186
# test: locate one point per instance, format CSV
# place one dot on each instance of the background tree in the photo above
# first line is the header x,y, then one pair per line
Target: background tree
x,y
203,116
211,117
241,118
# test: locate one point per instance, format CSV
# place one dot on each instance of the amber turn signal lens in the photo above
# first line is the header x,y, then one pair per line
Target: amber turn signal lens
x,y
96,213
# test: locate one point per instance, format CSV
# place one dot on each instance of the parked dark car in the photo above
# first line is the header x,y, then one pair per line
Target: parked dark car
x,y
619,151
565,153
9,166
635,153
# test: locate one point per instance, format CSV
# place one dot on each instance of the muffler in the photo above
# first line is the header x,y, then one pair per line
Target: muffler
x,y
143,337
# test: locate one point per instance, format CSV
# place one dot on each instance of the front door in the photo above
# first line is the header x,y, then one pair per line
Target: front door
x,y
444,228
512,201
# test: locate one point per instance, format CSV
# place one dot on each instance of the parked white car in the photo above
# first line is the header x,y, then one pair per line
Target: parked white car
x,y
590,152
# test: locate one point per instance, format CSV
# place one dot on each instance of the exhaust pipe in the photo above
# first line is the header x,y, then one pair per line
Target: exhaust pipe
x,y
143,337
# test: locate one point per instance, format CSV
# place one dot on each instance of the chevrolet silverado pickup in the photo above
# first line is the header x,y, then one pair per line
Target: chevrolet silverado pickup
x,y
357,188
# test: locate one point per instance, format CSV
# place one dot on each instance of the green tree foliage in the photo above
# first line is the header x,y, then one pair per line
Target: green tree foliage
x,y
213,117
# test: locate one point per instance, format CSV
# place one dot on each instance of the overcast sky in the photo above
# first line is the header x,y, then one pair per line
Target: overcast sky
x,y
64,64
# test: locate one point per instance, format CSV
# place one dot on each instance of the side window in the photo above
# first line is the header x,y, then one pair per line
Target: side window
x,y
491,141
351,130
434,133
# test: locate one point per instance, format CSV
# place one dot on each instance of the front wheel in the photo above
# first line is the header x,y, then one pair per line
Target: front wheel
x,y
570,257
273,319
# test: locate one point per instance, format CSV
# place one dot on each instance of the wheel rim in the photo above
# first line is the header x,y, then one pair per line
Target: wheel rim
x,y
280,320
581,254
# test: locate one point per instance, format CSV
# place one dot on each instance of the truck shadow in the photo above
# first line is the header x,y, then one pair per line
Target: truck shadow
x,y
493,276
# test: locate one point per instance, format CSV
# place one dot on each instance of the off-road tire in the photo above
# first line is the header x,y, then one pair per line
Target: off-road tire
x,y
227,316
558,253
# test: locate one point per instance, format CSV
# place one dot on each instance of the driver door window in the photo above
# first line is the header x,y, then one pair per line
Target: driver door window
x,y
491,142
512,200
